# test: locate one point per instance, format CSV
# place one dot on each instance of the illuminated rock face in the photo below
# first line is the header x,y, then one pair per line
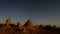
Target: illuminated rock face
x,y
8,21
29,24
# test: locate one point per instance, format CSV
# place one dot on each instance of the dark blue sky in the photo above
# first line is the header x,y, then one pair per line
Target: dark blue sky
x,y
40,11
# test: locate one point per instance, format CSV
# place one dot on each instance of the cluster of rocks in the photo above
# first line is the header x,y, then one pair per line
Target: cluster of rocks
x,y
28,27
19,26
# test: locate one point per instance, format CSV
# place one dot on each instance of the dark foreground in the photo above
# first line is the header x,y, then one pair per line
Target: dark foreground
x,y
35,30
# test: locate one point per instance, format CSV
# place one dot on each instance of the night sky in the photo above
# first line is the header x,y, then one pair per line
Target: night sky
x,y
39,11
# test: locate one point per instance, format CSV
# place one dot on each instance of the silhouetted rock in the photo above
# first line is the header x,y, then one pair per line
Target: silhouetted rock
x,y
40,26
48,27
54,26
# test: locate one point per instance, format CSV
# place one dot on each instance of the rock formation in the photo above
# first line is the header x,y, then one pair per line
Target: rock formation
x,y
8,22
28,24
19,25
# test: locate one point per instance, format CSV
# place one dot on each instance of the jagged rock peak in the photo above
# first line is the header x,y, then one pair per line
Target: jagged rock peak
x,y
8,21
28,23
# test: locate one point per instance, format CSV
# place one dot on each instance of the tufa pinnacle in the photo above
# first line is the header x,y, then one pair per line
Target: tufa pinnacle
x,y
8,22
29,24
